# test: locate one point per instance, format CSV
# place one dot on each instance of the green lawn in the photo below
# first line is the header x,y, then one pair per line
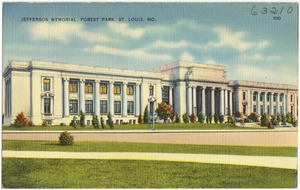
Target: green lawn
x,y
161,126
56,173
147,147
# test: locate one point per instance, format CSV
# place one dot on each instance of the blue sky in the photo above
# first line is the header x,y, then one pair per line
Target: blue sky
x,y
252,47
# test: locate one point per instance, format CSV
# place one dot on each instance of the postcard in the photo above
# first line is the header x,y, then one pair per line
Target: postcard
x,y
149,95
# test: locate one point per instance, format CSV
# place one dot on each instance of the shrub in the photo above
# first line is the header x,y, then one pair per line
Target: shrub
x,y
221,118
210,118
21,120
238,114
230,119
110,121
66,138
274,120
95,122
242,121
62,124
44,124
102,123
193,118
73,122
146,117
283,119
278,118
140,120
30,123
207,118
177,118
270,126
289,117
264,119
216,118
247,120
253,116
201,117
82,119
185,118
164,111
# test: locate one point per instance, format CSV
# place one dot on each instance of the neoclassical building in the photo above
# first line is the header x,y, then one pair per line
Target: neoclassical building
x,y
55,92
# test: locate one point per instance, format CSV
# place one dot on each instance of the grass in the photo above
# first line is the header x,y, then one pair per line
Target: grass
x,y
147,147
57,173
160,126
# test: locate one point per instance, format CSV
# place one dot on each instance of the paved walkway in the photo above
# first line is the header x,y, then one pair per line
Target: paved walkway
x,y
282,138
263,161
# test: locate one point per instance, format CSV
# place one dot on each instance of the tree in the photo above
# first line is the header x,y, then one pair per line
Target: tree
x,y
264,120
201,117
95,121
146,115
82,119
221,118
110,121
164,111
102,123
73,122
283,119
140,120
21,120
193,118
253,116
216,117
177,118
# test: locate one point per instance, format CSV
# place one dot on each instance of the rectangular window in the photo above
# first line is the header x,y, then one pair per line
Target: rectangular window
x,y
291,98
261,97
117,89
73,86
274,98
73,107
244,95
268,110
88,87
130,107
117,107
292,110
244,109
268,97
281,111
274,110
254,96
47,106
103,106
280,98
46,83
261,110
165,94
129,90
254,108
103,88
151,90
89,106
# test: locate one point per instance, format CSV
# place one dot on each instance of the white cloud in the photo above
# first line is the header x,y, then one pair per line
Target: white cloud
x,y
124,29
171,45
263,44
63,31
135,53
230,39
186,57
251,72
258,57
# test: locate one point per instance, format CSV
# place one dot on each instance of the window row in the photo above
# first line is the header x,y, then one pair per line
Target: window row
x,y
73,107
88,88
261,97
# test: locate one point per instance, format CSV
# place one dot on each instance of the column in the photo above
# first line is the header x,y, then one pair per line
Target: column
x,y
111,97
66,97
203,100
257,103
124,99
226,102
277,103
97,102
230,102
284,104
271,104
212,101
137,99
251,100
82,98
189,100
171,96
222,101
194,101
264,103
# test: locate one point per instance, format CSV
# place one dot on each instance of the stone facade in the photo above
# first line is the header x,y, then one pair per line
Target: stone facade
x,y
55,92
